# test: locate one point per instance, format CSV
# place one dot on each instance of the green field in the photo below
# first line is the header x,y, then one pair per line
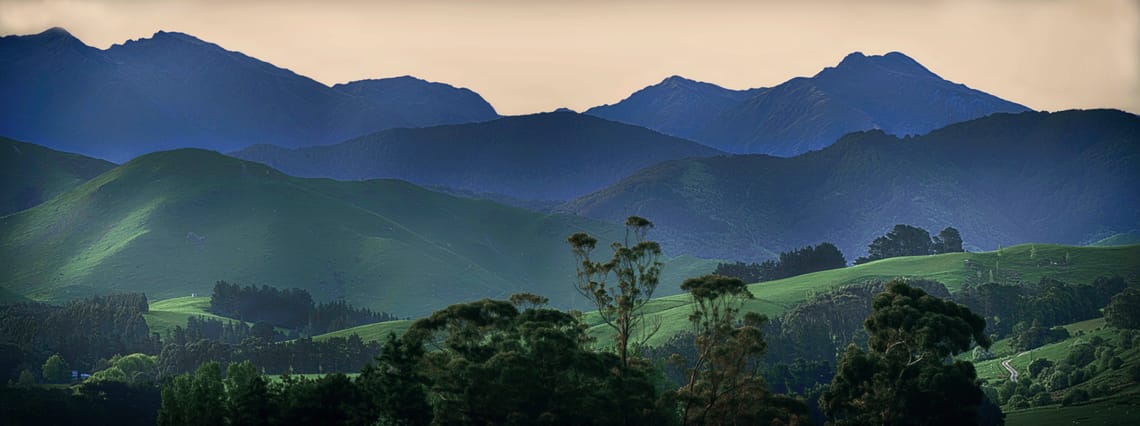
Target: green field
x,y
371,332
164,315
1120,409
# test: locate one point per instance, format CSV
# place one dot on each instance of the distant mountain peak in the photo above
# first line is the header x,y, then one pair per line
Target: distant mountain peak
x,y
179,37
50,35
56,32
892,62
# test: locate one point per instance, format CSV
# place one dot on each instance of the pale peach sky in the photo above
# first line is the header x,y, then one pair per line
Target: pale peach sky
x,y
528,56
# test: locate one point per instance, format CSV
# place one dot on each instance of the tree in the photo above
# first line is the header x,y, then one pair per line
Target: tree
x,y
904,376
1124,309
194,400
247,396
395,384
55,370
725,384
496,365
903,240
947,241
636,269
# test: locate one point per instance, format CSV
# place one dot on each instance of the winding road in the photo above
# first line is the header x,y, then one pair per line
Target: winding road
x,y
1012,371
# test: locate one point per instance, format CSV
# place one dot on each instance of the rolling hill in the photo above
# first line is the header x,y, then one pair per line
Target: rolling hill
x,y
954,270
172,223
1067,177
31,174
892,92
549,156
173,90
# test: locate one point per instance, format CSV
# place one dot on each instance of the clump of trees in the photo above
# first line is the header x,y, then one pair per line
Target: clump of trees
x,y
289,308
805,260
906,240
1016,309
1123,311
81,332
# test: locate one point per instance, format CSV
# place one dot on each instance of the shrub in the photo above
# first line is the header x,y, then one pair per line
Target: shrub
x,y
1057,381
1038,365
1018,402
1075,396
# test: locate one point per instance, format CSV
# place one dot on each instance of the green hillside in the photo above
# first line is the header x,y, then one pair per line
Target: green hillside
x,y
31,174
165,314
172,223
368,332
954,269
1119,407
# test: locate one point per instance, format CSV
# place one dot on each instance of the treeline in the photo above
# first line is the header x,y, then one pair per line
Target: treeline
x,y
300,356
805,260
1024,310
290,308
906,240
902,240
81,331
492,362
228,332
486,362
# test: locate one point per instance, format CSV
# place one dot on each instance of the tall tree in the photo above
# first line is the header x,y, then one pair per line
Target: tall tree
x,y
248,401
197,399
635,266
904,377
725,384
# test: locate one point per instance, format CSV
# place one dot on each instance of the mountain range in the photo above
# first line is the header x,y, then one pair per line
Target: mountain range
x,y
892,92
173,90
548,156
172,223
1067,177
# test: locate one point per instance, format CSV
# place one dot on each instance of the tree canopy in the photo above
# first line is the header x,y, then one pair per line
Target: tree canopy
x,y
904,376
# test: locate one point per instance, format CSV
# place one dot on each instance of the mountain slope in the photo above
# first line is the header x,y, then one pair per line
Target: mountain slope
x,y
1067,177
173,90
550,156
31,174
891,92
172,223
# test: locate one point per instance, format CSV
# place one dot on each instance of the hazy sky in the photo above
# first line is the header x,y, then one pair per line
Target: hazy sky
x,y
528,56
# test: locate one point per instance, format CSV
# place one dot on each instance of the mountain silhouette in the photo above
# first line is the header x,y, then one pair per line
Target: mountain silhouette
x,y
891,92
